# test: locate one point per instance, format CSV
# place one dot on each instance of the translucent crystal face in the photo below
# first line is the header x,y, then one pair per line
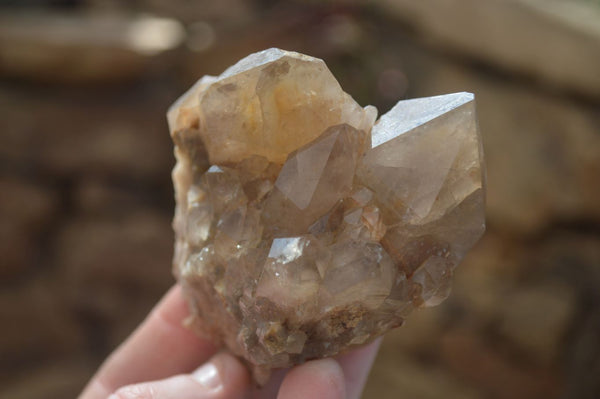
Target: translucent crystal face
x,y
302,226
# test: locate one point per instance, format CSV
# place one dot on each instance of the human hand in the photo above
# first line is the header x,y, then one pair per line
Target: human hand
x,y
158,359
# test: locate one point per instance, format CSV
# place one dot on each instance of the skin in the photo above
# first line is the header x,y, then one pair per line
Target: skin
x,y
160,361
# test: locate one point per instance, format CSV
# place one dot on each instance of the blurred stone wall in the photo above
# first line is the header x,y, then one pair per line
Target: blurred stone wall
x,y
86,198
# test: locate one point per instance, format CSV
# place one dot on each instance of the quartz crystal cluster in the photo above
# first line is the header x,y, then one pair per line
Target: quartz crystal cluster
x,y
303,227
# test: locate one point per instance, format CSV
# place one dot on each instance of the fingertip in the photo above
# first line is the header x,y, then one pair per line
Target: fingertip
x,y
357,365
159,347
222,377
223,374
234,373
322,378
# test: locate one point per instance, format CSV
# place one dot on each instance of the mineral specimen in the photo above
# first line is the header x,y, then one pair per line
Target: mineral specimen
x,y
304,228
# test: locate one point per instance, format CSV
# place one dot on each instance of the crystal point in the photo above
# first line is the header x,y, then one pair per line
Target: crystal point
x,y
303,227
423,161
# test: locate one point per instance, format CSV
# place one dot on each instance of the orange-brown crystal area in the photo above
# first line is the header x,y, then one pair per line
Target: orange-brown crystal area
x,y
303,228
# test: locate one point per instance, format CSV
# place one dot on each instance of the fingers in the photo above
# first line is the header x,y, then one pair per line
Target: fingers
x,y
344,377
223,377
315,379
159,347
356,366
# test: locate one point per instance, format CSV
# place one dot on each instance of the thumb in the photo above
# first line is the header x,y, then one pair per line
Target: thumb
x,y
222,377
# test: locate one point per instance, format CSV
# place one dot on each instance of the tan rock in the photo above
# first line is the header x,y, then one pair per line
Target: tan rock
x,y
513,35
85,48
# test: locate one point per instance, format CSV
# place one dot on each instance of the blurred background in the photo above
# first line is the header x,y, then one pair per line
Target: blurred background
x,y
86,198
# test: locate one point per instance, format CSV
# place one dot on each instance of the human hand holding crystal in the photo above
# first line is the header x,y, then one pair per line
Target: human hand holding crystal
x,y
164,360
304,228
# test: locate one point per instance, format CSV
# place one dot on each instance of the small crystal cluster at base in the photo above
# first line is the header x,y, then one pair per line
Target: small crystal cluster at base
x,y
305,228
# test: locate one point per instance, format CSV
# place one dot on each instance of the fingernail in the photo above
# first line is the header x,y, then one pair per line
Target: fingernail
x,y
208,376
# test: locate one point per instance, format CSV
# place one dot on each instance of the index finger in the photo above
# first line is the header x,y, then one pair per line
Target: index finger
x,y
160,347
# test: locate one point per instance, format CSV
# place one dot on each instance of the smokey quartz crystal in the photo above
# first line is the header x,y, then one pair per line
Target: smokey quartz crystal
x,y
303,226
